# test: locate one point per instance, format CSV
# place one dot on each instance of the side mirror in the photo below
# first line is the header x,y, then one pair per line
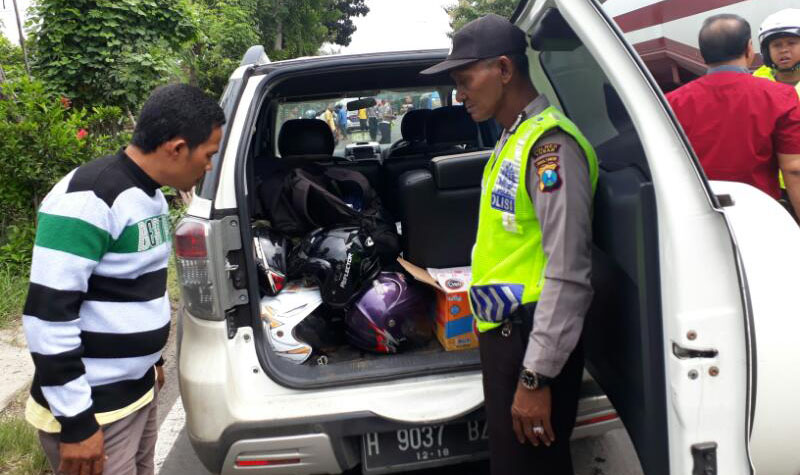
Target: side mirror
x,y
361,104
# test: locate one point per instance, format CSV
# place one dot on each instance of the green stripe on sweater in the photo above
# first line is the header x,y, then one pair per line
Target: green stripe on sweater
x,y
72,235
142,236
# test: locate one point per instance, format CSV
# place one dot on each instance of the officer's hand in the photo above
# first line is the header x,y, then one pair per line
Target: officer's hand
x,y
83,458
531,408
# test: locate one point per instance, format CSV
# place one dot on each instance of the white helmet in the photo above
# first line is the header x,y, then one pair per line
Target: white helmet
x,y
782,23
283,315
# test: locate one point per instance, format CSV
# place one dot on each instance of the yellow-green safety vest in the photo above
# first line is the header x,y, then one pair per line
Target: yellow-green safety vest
x,y
508,261
768,73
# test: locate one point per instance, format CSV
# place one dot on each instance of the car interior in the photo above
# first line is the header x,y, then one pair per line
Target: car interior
x,y
429,179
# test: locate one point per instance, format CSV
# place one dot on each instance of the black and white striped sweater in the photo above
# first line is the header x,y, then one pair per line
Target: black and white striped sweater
x,y
97,314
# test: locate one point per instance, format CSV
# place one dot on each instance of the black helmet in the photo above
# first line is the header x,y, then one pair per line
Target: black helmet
x,y
342,261
270,249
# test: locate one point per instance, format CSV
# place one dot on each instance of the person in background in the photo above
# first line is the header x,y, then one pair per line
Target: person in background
x,y
779,38
329,117
362,119
97,315
742,128
372,118
341,120
531,264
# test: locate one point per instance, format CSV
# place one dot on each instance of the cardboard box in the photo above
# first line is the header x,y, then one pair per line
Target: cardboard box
x,y
453,317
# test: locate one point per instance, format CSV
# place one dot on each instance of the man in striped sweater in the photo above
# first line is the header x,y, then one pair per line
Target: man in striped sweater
x,y
97,314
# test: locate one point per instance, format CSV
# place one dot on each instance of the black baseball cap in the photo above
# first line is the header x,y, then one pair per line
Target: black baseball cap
x,y
487,37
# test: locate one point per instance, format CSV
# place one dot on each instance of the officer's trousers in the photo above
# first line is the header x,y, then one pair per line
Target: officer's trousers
x,y
501,361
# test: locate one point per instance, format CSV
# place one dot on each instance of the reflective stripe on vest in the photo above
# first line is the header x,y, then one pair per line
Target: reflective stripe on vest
x,y
508,261
767,73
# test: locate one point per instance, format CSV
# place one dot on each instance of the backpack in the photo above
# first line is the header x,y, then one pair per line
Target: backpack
x,y
298,200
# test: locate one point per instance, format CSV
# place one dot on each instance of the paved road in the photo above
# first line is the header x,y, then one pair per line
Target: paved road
x,y
611,454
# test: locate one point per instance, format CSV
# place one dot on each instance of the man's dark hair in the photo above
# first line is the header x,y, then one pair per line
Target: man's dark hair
x,y
724,38
176,110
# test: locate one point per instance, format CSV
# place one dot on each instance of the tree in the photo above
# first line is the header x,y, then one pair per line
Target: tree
x,y
11,59
465,11
226,29
342,28
108,51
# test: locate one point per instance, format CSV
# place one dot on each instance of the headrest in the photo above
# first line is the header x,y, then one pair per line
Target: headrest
x,y
305,137
451,125
459,171
412,128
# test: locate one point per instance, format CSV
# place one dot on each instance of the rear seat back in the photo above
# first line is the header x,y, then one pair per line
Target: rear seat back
x,y
448,130
439,209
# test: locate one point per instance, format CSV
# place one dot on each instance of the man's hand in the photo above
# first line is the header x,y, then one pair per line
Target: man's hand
x,y
83,458
160,376
531,408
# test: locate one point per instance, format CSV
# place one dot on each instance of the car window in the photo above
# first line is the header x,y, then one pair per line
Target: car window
x,y
380,123
582,89
205,188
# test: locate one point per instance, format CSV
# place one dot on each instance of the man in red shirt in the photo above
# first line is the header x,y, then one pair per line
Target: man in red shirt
x,y
742,128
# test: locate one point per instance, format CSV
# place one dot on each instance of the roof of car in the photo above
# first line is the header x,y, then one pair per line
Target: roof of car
x,y
433,54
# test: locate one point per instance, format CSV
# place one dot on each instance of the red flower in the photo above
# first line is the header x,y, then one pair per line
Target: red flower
x,y
81,134
65,102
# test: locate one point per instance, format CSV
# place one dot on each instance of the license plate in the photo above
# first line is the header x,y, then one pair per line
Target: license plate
x,y
424,446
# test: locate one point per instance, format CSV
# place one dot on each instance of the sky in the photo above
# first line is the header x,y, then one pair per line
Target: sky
x,y
391,25
396,25
8,20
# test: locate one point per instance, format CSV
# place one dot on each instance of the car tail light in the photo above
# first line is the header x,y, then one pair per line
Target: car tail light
x,y
192,259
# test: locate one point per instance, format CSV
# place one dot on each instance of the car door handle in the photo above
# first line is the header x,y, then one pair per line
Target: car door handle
x,y
684,353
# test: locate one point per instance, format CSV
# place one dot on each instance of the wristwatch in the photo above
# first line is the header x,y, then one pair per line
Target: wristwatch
x,y
533,380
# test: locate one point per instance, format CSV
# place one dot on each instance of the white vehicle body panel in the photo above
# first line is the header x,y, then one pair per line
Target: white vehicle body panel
x,y
768,243
225,197
199,207
699,285
231,373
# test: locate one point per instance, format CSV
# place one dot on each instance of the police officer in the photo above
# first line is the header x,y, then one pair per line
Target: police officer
x,y
779,38
531,262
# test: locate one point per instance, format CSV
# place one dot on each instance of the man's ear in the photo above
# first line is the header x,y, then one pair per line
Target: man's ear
x,y
750,53
506,68
176,147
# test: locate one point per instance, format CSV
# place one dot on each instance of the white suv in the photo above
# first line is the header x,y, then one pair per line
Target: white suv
x,y
693,312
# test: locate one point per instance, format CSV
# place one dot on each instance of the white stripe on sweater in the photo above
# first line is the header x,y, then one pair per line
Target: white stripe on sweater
x,y
70,399
100,371
135,205
124,317
60,270
132,265
51,338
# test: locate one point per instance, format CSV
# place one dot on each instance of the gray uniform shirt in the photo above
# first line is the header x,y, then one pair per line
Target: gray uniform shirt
x,y
565,215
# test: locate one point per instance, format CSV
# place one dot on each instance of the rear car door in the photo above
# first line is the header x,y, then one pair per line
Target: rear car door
x,y
668,336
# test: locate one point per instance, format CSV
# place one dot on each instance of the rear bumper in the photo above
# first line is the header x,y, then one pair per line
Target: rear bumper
x,y
333,445
233,410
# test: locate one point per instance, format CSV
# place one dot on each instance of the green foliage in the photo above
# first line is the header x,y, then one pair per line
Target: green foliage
x,y
226,29
13,288
20,451
111,52
464,11
11,59
43,139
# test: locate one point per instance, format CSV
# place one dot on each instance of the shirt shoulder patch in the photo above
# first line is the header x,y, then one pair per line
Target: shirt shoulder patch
x,y
546,149
548,170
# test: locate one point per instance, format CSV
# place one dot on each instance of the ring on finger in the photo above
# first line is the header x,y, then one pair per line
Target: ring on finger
x,y
538,430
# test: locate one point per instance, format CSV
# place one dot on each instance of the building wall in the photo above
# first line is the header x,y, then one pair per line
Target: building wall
x,y
665,31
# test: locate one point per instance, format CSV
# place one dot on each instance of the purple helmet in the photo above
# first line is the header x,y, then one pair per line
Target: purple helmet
x,y
389,316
